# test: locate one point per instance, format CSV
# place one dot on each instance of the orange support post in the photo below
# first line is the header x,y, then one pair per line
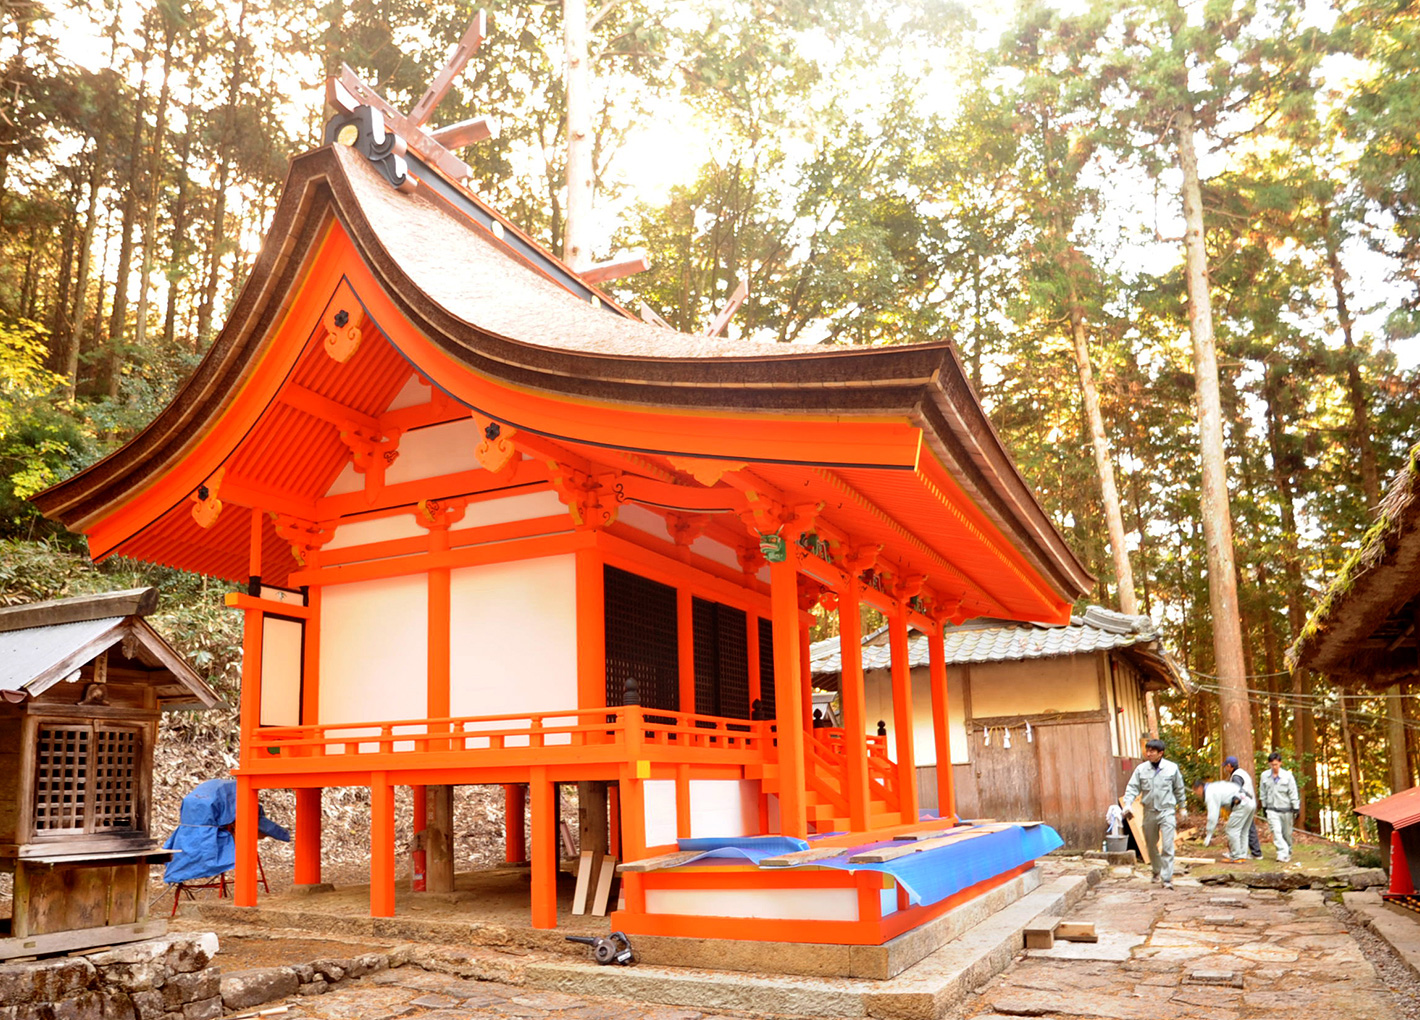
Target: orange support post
x,y
439,610
789,697
851,696
591,628
941,722
307,837
245,893
544,850
250,710
902,717
682,801
419,881
515,834
381,846
310,665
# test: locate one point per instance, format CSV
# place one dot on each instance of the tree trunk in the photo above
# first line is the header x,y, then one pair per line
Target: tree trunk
x,y
178,247
576,248
1217,515
86,248
59,321
1355,388
219,213
1104,462
1400,777
118,319
155,192
1353,766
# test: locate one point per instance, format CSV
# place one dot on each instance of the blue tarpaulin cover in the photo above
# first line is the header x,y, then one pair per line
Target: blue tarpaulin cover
x,y
207,847
929,877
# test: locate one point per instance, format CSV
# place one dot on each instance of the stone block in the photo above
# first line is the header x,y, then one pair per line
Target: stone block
x,y
191,952
373,962
84,1006
1221,978
147,951
181,989
135,977
332,970
317,987
118,1005
401,955
148,1005
254,987
304,972
203,1009
32,1011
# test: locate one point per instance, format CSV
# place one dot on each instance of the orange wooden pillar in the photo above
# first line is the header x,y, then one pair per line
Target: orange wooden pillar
x,y
851,696
544,850
806,672
307,837
788,697
515,834
246,834
902,716
381,846
941,722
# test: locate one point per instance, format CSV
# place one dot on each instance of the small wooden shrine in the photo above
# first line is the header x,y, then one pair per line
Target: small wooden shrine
x,y
490,527
83,682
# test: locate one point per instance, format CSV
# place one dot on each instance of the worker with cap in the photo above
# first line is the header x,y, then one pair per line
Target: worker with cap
x,y
1243,779
1225,795
1160,784
1280,801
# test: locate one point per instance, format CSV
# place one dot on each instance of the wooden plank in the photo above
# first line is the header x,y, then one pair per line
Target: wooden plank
x,y
1040,933
584,881
1135,821
890,853
929,833
601,901
123,907
1077,931
802,857
84,938
674,860
133,602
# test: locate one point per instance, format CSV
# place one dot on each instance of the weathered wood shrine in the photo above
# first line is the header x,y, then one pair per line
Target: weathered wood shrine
x,y
1045,721
491,528
82,684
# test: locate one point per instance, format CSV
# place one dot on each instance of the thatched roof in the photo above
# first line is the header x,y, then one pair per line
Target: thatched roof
x,y
1363,630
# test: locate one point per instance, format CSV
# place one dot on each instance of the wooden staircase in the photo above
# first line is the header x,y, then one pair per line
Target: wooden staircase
x,y
826,782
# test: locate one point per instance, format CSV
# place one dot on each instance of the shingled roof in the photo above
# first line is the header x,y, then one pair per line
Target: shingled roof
x,y
1363,629
982,641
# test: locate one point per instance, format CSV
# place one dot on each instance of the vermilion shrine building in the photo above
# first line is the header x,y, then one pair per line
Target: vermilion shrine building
x,y
494,529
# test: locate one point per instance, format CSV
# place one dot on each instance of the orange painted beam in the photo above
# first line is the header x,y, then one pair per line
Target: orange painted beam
x,y
452,559
788,699
941,722
472,485
902,718
241,600
544,850
307,837
854,702
381,846
417,545
245,835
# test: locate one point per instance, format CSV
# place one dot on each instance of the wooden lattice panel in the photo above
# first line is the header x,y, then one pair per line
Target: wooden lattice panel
x,y
63,761
116,765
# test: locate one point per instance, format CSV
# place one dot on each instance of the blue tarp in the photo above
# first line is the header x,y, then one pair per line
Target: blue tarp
x,y
204,833
929,877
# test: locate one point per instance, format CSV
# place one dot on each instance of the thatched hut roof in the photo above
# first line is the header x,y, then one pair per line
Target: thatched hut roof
x,y
1363,630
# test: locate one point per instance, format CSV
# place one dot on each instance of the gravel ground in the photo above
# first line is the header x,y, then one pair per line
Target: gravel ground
x,y
1403,983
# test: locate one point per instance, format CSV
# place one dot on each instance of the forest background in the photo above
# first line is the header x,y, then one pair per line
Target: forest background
x,y
878,173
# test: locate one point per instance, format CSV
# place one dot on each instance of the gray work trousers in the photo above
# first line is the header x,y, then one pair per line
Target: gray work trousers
x,y
1239,824
1281,823
1158,837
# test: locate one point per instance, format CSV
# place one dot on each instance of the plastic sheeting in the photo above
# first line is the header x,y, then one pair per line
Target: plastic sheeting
x,y
929,876
204,834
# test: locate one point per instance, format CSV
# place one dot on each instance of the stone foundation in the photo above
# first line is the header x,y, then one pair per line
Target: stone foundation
x,y
161,979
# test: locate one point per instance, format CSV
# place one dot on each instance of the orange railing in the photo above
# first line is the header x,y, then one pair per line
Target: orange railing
x,y
828,743
603,734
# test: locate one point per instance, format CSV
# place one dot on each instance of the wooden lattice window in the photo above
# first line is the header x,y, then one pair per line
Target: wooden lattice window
x,y
86,779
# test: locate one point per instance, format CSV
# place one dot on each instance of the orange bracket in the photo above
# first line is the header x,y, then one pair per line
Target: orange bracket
x,y
304,536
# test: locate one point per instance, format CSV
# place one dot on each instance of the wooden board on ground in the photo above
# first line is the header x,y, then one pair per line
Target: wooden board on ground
x,y
1040,933
584,881
674,860
891,853
600,901
802,857
1076,931
916,834
1135,821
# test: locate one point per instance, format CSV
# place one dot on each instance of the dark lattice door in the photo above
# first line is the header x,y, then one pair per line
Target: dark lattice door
x,y
766,669
721,660
62,778
641,640
116,765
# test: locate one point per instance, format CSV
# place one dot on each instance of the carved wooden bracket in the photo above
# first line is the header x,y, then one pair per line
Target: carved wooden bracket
x,y
342,324
304,536
810,592
206,506
371,455
686,528
591,501
907,586
495,451
768,517
751,559
706,472
439,513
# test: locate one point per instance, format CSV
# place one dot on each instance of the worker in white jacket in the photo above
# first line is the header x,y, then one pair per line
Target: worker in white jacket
x,y
1225,794
1280,801
1160,785
1241,777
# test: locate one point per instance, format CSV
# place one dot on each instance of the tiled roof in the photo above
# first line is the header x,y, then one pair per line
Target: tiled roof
x,y
1002,641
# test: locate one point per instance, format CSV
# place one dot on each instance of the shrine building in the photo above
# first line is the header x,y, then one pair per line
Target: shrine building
x,y
489,527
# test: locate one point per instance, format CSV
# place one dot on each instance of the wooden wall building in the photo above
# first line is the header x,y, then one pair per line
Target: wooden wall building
x,y
1083,688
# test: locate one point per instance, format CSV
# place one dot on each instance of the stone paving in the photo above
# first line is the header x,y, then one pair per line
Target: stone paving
x,y
1199,952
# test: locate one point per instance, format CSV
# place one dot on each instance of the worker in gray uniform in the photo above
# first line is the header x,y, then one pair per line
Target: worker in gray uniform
x,y
1160,784
1244,779
1242,807
1280,802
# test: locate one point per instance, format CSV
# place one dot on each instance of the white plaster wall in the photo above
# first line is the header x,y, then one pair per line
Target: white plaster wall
x,y
634,515
437,450
374,654
413,394
280,672
524,507
660,813
377,529
1035,687
718,807
513,637
784,904
877,686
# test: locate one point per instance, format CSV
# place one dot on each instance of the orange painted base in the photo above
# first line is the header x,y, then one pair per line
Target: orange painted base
x,y
872,928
